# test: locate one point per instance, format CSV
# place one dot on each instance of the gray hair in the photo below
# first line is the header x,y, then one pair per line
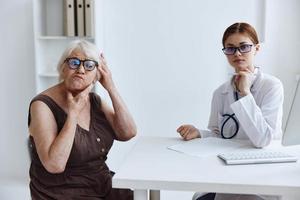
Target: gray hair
x,y
87,48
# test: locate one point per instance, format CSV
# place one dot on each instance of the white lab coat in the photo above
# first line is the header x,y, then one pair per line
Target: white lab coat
x,y
259,115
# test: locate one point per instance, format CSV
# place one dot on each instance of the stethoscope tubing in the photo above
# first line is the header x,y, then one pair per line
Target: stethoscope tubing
x,y
234,120
236,96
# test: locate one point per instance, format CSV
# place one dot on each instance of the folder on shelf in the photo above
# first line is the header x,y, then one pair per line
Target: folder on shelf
x,y
69,20
89,18
80,17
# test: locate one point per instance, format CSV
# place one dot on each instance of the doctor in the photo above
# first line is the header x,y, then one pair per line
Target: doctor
x,y
249,106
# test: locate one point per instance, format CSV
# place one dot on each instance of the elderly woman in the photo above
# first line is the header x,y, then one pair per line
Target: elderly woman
x,y
72,130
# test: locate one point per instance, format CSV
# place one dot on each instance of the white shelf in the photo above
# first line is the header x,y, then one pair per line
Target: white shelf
x,y
50,41
64,38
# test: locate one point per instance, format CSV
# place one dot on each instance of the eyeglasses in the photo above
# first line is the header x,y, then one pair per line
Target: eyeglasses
x,y
245,48
74,63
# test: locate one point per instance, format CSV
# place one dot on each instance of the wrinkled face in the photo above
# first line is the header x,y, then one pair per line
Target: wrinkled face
x,y
243,57
77,79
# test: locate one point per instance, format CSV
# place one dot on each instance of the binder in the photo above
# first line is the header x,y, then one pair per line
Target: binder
x,y
80,17
89,18
69,20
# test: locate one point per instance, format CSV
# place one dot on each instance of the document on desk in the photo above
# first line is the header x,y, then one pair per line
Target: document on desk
x,y
210,146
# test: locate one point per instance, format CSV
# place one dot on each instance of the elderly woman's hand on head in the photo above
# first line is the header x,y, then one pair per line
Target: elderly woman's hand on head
x,y
104,74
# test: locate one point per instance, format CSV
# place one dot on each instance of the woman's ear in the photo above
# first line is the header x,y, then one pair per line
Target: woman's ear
x,y
95,80
97,77
257,47
63,73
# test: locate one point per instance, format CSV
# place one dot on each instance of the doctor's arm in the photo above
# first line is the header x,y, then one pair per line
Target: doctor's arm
x,y
261,123
188,131
213,127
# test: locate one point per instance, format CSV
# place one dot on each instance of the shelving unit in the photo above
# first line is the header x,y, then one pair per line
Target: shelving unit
x,y
49,40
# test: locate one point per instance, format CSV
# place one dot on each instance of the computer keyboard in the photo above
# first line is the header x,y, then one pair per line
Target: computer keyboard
x,y
256,157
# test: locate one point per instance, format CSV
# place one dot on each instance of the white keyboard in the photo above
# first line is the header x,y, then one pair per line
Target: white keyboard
x,y
256,157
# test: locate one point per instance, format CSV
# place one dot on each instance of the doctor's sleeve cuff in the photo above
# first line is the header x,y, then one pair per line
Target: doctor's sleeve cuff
x,y
207,133
246,100
252,120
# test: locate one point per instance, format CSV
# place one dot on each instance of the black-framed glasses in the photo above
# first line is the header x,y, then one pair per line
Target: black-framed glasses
x,y
244,48
88,65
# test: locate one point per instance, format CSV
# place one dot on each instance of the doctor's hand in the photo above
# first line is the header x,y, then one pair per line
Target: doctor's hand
x,y
188,132
243,81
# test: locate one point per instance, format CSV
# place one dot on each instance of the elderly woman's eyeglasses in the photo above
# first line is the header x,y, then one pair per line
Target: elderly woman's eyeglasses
x,y
245,48
74,63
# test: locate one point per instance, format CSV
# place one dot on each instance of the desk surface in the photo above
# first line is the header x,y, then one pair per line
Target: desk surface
x,y
150,165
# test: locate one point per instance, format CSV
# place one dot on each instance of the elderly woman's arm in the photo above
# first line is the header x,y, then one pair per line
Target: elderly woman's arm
x,y
119,117
54,148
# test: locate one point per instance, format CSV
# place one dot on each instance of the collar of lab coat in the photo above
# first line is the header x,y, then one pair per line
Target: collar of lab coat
x,y
229,88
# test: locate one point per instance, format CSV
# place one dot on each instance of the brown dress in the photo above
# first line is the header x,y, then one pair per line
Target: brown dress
x,y
86,175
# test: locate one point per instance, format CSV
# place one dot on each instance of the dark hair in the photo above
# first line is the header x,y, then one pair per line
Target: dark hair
x,y
243,28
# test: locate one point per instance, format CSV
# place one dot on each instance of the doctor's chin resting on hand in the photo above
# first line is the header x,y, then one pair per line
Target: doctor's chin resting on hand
x,y
72,130
248,106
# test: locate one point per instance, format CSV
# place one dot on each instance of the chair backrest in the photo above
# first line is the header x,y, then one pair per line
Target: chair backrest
x,y
29,148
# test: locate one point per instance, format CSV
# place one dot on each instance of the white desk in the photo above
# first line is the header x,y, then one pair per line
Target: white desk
x,y
151,166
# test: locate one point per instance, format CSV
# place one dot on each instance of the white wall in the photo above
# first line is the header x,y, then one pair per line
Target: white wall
x,y
280,53
165,56
17,85
164,53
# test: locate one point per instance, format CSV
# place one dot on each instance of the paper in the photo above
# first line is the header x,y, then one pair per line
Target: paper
x,y
210,146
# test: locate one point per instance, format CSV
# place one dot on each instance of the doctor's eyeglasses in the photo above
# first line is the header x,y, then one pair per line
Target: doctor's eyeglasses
x,y
74,63
245,48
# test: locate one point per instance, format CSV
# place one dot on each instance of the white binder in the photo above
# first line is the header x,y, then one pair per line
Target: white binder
x,y
80,17
89,18
69,20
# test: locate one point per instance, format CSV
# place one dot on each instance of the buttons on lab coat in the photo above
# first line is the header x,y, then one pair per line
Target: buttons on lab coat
x,y
98,139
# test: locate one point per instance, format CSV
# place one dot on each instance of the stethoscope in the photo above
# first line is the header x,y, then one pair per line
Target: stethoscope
x,y
232,116
237,127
